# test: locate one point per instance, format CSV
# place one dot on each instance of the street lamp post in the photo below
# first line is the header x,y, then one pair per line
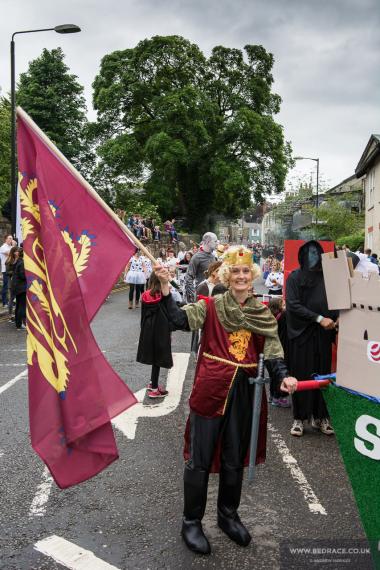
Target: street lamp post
x,y
62,29
317,161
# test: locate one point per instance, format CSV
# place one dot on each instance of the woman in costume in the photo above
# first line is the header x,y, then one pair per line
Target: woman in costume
x,y
236,329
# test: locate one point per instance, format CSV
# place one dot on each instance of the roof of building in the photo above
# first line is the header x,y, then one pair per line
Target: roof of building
x,y
346,185
371,152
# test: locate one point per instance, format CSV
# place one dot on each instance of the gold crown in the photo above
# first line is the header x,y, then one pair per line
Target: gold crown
x,y
240,256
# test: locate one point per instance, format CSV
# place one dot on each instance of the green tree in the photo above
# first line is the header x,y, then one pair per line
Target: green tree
x,y
353,241
135,202
5,150
336,219
198,132
54,99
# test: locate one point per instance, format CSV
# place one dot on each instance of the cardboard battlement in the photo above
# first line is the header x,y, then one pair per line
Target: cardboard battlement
x,y
347,289
365,291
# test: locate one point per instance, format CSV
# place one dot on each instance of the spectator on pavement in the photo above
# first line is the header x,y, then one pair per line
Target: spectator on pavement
x,y
186,259
162,256
149,269
174,285
275,279
19,289
206,286
371,257
4,251
9,264
199,264
170,229
157,233
171,260
181,251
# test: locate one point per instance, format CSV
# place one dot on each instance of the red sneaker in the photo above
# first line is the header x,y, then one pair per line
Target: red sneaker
x,y
157,393
159,388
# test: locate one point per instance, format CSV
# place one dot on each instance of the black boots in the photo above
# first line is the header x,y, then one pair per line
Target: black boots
x,y
195,493
230,483
195,487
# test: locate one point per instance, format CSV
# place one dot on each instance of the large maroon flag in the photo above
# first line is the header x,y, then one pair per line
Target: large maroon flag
x,y
73,252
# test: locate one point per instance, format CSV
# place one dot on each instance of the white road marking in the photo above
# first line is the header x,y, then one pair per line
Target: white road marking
x,y
291,463
70,555
127,421
22,374
38,506
18,364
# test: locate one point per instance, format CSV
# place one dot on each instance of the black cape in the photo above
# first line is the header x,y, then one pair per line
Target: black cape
x,y
155,339
309,345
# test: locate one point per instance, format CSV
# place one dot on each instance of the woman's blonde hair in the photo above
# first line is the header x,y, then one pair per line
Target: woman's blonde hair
x,y
276,265
237,255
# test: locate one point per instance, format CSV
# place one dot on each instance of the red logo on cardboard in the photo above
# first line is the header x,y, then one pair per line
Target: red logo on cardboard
x,y
373,352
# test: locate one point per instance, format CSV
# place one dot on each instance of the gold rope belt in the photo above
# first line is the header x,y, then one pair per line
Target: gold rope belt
x,y
230,362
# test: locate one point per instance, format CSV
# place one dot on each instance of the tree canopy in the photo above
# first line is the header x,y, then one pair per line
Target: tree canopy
x,y
54,99
199,132
5,150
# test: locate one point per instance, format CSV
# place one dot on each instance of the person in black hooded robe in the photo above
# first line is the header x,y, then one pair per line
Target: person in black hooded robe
x,y
311,330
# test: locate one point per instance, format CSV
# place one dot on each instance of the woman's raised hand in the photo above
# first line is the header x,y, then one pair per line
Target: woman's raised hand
x,y
162,273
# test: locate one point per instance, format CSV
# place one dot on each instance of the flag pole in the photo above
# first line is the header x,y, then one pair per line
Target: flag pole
x,y
25,117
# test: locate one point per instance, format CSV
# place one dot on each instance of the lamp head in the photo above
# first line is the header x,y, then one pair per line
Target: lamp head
x,y
67,29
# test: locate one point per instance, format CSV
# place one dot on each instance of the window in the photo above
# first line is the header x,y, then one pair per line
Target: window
x,y
371,188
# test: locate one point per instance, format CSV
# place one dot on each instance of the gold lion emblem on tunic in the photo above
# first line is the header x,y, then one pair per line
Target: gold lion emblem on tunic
x,y
239,343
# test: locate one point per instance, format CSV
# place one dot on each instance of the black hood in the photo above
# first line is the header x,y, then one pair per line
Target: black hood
x,y
303,255
354,257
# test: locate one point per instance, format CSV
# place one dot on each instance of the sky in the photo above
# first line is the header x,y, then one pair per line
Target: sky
x,y
327,58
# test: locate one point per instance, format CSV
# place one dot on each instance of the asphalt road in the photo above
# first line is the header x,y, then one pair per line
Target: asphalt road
x,y
129,515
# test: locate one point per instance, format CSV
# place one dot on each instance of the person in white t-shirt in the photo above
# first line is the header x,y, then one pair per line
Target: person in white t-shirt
x,y
275,279
4,250
171,260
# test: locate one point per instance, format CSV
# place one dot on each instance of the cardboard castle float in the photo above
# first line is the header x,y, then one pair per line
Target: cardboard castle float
x,y
354,402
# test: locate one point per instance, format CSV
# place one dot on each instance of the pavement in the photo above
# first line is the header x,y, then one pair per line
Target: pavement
x,y
128,517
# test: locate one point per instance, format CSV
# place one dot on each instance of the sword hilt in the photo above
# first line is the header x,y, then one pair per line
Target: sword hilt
x,y
259,379
260,367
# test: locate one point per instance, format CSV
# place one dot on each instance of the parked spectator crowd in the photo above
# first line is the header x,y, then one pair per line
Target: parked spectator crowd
x,y
146,228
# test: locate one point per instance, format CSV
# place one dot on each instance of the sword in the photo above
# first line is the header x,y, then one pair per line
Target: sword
x,y
259,382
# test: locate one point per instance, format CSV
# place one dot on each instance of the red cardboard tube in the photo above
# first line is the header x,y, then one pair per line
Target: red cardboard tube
x,y
311,385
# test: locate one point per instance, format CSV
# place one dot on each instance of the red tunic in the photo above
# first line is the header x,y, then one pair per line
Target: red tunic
x,y
214,378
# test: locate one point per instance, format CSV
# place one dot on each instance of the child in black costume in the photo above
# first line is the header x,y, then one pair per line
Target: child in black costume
x,y
155,336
